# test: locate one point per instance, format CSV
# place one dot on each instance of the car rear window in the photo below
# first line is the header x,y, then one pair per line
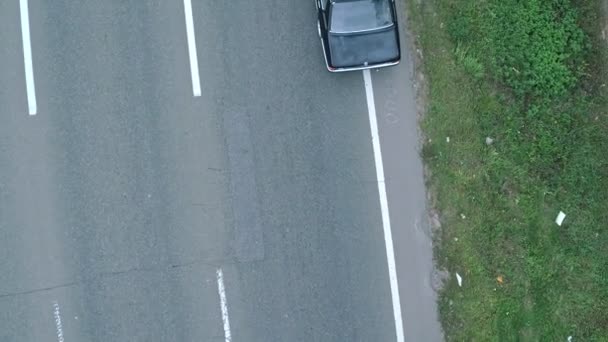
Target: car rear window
x,y
360,15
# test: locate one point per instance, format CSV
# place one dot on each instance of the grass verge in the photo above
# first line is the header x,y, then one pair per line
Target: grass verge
x,y
544,106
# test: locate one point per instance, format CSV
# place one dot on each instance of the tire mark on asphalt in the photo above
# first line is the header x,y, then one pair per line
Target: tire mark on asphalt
x,y
390,108
248,238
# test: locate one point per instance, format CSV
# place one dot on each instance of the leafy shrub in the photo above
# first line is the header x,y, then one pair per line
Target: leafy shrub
x,y
535,47
538,46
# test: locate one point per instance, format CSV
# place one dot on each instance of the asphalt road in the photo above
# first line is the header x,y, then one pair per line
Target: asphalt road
x,y
123,197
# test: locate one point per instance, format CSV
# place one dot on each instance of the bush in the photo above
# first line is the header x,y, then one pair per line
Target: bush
x,y
535,47
538,46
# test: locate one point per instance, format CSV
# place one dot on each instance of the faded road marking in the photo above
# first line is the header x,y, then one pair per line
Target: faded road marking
x,y
58,325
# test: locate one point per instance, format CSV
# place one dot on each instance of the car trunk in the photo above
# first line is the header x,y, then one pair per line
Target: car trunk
x,y
356,50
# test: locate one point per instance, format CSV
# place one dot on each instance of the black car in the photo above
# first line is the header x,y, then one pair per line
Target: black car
x,y
358,34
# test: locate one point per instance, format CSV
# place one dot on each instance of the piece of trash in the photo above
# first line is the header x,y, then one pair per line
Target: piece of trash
x,y
459,279
499,279
569,338
462,216
489,141
447,139
456,239
560,218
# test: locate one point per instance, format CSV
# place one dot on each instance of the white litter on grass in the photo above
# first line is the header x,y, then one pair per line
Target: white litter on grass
x,y
447,139
569,338
560,218
459,278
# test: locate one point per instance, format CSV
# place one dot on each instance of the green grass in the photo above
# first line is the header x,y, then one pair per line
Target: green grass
x,y
498,202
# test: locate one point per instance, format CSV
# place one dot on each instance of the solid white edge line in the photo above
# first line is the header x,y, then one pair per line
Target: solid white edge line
x,y
27,57
223,304
196,83
386,223
58,324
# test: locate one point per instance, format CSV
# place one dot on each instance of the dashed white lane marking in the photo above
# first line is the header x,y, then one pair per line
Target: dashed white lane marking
x,y
27,57
386,222
223,304
57,315
196,83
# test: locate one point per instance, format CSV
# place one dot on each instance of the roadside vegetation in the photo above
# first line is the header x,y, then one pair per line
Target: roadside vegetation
x,y
516,130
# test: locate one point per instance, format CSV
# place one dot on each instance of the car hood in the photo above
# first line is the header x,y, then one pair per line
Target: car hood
x,y
355,50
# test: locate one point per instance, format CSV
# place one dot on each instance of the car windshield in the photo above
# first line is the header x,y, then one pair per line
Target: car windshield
x,y
360,15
